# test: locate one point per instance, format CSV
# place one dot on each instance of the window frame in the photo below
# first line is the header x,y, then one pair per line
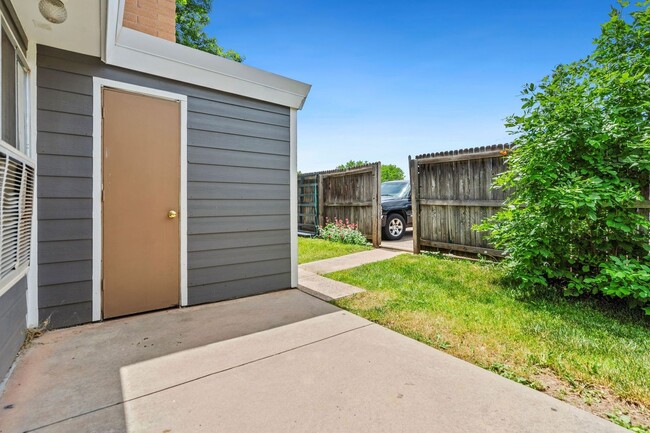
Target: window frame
x,y
26,156
23,100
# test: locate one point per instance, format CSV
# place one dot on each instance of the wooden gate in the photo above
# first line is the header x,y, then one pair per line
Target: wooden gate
x,y
451,193
353,195
308,204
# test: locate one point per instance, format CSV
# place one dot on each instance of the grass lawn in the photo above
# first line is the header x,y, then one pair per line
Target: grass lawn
x,y
310,250
589,353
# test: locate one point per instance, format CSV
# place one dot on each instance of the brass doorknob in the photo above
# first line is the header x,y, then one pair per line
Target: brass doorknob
x,y
172,214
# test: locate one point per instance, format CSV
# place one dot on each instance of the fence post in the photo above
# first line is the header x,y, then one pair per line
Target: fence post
x,y
376,205
316,210
321,207
415,203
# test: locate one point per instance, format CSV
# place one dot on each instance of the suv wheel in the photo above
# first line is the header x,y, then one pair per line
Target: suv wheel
x,y
394,228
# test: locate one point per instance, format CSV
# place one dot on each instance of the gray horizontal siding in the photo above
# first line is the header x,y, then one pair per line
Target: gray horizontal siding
x,y
65,123
65,208
216,241
238,223
64,272
217,140
65,81
235,158
207,106
237,289
65,166
64,187
64,315
58,295
234,191
64,230
65,102
238,188
214,208
228,125
62,144
234,256
220,274
226,174
64,251
13,313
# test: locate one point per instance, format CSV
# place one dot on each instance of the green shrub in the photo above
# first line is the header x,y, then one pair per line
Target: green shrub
x,y
580,161
344,232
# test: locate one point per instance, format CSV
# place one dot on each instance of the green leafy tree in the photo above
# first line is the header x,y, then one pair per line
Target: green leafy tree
x,y
388,171
391,172
352,164
580,162
191,18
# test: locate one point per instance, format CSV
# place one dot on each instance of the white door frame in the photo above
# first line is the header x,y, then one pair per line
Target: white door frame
x,y
98,85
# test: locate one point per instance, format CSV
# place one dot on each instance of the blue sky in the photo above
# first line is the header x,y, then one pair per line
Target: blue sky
x,y
393,79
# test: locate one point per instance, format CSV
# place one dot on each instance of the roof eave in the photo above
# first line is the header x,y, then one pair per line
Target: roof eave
x,y
134,50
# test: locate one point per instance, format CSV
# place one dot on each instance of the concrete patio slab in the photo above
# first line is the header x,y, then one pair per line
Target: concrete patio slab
x,y
349,261
77,370
296,364
366,380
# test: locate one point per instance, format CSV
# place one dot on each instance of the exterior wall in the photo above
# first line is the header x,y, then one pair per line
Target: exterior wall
x,y
13,302
13,313
238,188
154,17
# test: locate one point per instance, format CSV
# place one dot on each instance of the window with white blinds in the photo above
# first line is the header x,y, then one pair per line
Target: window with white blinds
x,y
16,207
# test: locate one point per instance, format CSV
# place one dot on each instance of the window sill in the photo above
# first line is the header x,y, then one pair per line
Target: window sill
x,y
15,153
12,279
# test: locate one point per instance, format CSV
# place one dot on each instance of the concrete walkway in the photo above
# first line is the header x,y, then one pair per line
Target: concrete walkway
x,y
282,362
350,261
310,279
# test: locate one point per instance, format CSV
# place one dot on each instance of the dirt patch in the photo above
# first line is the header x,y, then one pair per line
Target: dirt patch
x,y
597,400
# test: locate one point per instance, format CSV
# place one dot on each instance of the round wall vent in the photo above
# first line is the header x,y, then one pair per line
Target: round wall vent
x,y
53,11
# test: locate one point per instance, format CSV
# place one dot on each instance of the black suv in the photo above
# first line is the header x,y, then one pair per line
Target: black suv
x,y
396,212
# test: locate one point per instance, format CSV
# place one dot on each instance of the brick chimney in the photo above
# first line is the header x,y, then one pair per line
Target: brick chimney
x,y
154,17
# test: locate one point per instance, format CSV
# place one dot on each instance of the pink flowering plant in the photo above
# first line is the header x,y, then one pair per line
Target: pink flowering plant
x,y
342,231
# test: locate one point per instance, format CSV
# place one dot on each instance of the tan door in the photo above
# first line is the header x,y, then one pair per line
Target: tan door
x,y
141,188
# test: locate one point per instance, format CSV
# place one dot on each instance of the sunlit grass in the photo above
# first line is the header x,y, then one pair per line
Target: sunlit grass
x,y
311,250
464,309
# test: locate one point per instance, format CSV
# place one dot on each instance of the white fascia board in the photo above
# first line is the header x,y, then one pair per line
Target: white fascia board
x,y
139,51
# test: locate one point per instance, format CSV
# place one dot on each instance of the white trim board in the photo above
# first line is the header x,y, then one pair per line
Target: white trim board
x,y
139,51
32,278
98,85
293,190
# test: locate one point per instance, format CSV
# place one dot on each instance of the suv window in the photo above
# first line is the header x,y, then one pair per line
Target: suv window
x,y
395,189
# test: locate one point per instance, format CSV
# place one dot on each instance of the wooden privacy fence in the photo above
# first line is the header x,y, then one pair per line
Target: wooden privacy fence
x,y
451,193
353,194
308,204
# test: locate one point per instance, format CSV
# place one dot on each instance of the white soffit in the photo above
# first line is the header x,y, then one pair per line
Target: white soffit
x,y
138,51
80,33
